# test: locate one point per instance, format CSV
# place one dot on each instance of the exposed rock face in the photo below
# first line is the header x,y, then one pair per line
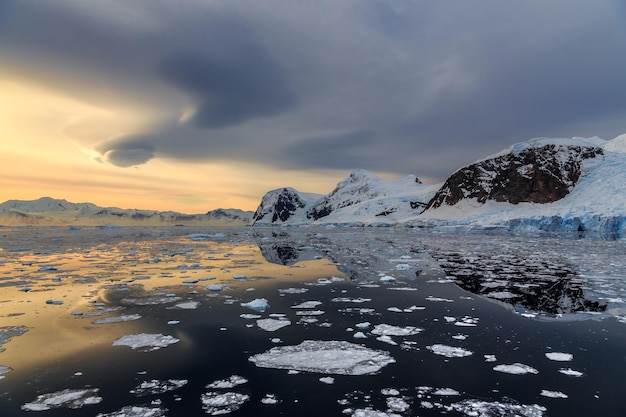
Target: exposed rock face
x,y
279,205
536,175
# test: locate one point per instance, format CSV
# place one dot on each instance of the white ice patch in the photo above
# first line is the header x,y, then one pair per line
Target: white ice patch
x,y
258,304
389,330
136,411
403,267
516,369
158,387
250,316
449,351
327,357
351,300
228,383
118,319
293,290
490,358
485,409
367,412
446,392
397,404
327,380
216,403
4,370
70,398
310,312
269,399
387,339
188,305
271,325
570,372
146,342
307,305
387,279
559,356
553,394
438,299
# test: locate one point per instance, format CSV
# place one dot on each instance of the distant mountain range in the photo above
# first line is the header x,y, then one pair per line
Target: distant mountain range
x,y
50,211
574,185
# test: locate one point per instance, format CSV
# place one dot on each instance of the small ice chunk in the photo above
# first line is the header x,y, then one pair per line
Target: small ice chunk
x,y
292,290
327,357
389,330
397,404
310,312
229,383
4,370
553,394
215,287
188,305
390,392
250,316
449,351
350,300
570,372
307,305
158,387
172,322
363,325
271,325
459,336
490,358
269,399
387,279
118,319
438,299
386,339
559,356
367,412
70,398
216,403
327,380
403,267
359,335
258,304
136,411
146,342
516,369
446,392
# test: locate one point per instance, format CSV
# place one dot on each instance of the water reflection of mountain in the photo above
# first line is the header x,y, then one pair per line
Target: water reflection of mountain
x,y
529,282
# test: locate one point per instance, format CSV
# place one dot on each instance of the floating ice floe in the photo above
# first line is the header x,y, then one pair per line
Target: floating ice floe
x,y
146,342
188,305
327,357
552,394
269,399
117,319
216,403
397,404
154,300
570,372
516,369
250,316
490,358
4,370
351,300
438,299
486,408
403,267
215,287
389,330
307,305
310,312
327,380
387,279
271,325
446,392
387,339
449,351
359,335
70,398
228,383
258,304
292,290
559,356
136,411
368,412
158,387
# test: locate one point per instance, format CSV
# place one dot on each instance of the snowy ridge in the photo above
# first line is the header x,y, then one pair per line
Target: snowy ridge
x,y
50,211
543,184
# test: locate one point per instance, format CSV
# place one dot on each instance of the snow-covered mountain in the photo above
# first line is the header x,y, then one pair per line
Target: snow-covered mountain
x,y
360,198
564,184
50,211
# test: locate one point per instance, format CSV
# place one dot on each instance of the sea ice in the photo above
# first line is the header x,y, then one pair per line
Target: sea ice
x,y
250,316
258,304
327,380
307,305
229,383
4,370
367,412
490,358
389,330
390,391
136,411
397,404
215,287
570,372
310,312
293,290
449,351
387,339
70,398
146,342
188,305
118,319
559,356
351,300
516,369
553,394
486,408
327,357
158,387
446,392
438,299
269,399
216,403
272,325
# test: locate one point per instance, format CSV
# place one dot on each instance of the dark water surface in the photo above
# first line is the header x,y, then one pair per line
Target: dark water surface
x,y
493,300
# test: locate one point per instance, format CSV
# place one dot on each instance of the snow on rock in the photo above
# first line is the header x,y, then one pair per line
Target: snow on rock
x,y
158,387
284,206
70,398
216,403
516,369
271,325
449,351
559,356
258,304
327,357
146,342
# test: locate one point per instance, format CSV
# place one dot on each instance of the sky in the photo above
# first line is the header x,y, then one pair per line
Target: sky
x,y
194,105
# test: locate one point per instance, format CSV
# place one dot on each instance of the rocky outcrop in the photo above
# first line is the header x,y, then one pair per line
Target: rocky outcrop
x,y
542,174
282,205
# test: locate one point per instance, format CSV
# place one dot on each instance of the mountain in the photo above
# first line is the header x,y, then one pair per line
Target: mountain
x,y
49,211
360,198
563,184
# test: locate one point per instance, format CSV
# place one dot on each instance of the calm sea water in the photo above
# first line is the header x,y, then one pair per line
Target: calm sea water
x,y
552,306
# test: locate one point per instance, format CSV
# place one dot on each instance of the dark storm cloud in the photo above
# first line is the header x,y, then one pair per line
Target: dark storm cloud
x,y
396,86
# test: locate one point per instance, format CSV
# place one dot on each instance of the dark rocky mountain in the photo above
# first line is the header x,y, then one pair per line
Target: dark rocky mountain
x,y
282,205
535,175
